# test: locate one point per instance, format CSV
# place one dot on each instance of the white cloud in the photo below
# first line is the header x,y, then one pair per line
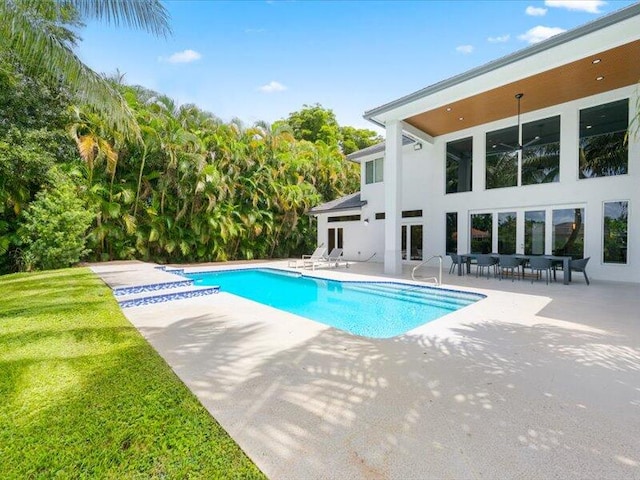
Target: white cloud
x,y
186,56
499,39
466,49
536,11
589,6
540,33
272,87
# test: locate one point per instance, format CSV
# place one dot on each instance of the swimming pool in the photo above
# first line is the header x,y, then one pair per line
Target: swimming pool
x,y
370,309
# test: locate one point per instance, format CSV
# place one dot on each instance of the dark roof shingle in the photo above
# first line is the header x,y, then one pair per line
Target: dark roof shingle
x,y
348,202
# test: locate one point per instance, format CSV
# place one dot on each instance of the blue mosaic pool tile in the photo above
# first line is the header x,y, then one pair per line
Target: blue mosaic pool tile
x,y
118,292
177,271
136,302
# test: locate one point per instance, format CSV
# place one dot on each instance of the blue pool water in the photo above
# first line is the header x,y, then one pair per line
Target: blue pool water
x,y
370,309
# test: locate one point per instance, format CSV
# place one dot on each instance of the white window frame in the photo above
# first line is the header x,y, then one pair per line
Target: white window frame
x,y
377,165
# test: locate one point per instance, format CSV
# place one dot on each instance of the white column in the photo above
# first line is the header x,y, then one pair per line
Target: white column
x,y
479,163
392,198
520,231
569,141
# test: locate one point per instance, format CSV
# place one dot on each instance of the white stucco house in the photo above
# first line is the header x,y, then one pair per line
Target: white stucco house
x,y
461,171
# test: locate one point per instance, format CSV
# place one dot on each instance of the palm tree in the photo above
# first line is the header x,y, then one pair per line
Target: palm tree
x,y
35,32
95,141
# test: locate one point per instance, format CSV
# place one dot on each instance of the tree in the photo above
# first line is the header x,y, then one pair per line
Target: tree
x,y
37,33
192,189
32,140
354,139
314,123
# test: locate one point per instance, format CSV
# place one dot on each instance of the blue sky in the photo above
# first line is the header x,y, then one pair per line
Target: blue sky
x,y
261,60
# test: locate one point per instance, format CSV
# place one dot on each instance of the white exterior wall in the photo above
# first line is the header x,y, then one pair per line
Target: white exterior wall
x,y
359,241
423,187
570,191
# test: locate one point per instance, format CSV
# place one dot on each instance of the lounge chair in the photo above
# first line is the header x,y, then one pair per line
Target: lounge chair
x,y
317,256
335,258
580,266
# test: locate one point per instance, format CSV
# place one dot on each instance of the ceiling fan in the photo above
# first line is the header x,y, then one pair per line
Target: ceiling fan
x,y
519,146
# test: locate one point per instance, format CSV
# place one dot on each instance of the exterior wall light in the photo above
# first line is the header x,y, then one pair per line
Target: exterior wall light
x,y
366,222
417,146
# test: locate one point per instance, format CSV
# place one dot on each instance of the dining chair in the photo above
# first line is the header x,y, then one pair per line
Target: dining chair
x,y
454,262
580,266
539,265
509,263
488,262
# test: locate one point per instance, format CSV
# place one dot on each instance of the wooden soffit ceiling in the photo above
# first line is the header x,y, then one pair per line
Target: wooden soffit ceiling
x,y
616,68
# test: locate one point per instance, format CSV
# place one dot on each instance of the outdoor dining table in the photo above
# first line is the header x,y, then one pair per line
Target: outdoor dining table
x,y
566,277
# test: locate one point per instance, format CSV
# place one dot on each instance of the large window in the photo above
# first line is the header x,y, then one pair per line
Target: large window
x,y
452,232
374,171
541,151
459,162
481,233
502,158
540,154
534,237
568,232
603,151
615,232
507,233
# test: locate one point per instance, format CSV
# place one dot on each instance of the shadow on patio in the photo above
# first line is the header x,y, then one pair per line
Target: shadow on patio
x,y
506,401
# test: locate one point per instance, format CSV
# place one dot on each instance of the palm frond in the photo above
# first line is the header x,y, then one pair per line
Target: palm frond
x,y
148,15
40,48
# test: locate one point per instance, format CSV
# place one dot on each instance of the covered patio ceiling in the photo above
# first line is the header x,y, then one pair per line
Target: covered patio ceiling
x,y
607,70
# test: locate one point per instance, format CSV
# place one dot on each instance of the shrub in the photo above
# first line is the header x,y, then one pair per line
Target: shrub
x,y
53,228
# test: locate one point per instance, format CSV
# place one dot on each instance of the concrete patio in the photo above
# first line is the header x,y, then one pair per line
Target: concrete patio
x,y
535,381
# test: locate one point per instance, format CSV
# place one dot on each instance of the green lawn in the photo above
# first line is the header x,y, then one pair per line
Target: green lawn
x,y
82,394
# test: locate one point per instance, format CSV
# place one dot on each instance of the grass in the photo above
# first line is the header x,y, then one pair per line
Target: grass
x,y
82,394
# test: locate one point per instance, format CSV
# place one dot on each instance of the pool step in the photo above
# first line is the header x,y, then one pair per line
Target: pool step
x,y
419,296
419,301
153,287
168,297
159,293
430,302
424,292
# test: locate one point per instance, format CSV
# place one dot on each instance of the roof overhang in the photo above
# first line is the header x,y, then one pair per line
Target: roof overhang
x,y
342,204
598,57
376,149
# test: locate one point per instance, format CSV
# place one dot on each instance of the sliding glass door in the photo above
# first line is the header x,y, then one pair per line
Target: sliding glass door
x,y
507,233
412,242
534,232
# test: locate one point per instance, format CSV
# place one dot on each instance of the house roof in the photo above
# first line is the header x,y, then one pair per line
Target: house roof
x,y
348,202
484,94
377,148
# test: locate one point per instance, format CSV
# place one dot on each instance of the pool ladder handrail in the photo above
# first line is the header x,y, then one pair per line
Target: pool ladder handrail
x,y
438,279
